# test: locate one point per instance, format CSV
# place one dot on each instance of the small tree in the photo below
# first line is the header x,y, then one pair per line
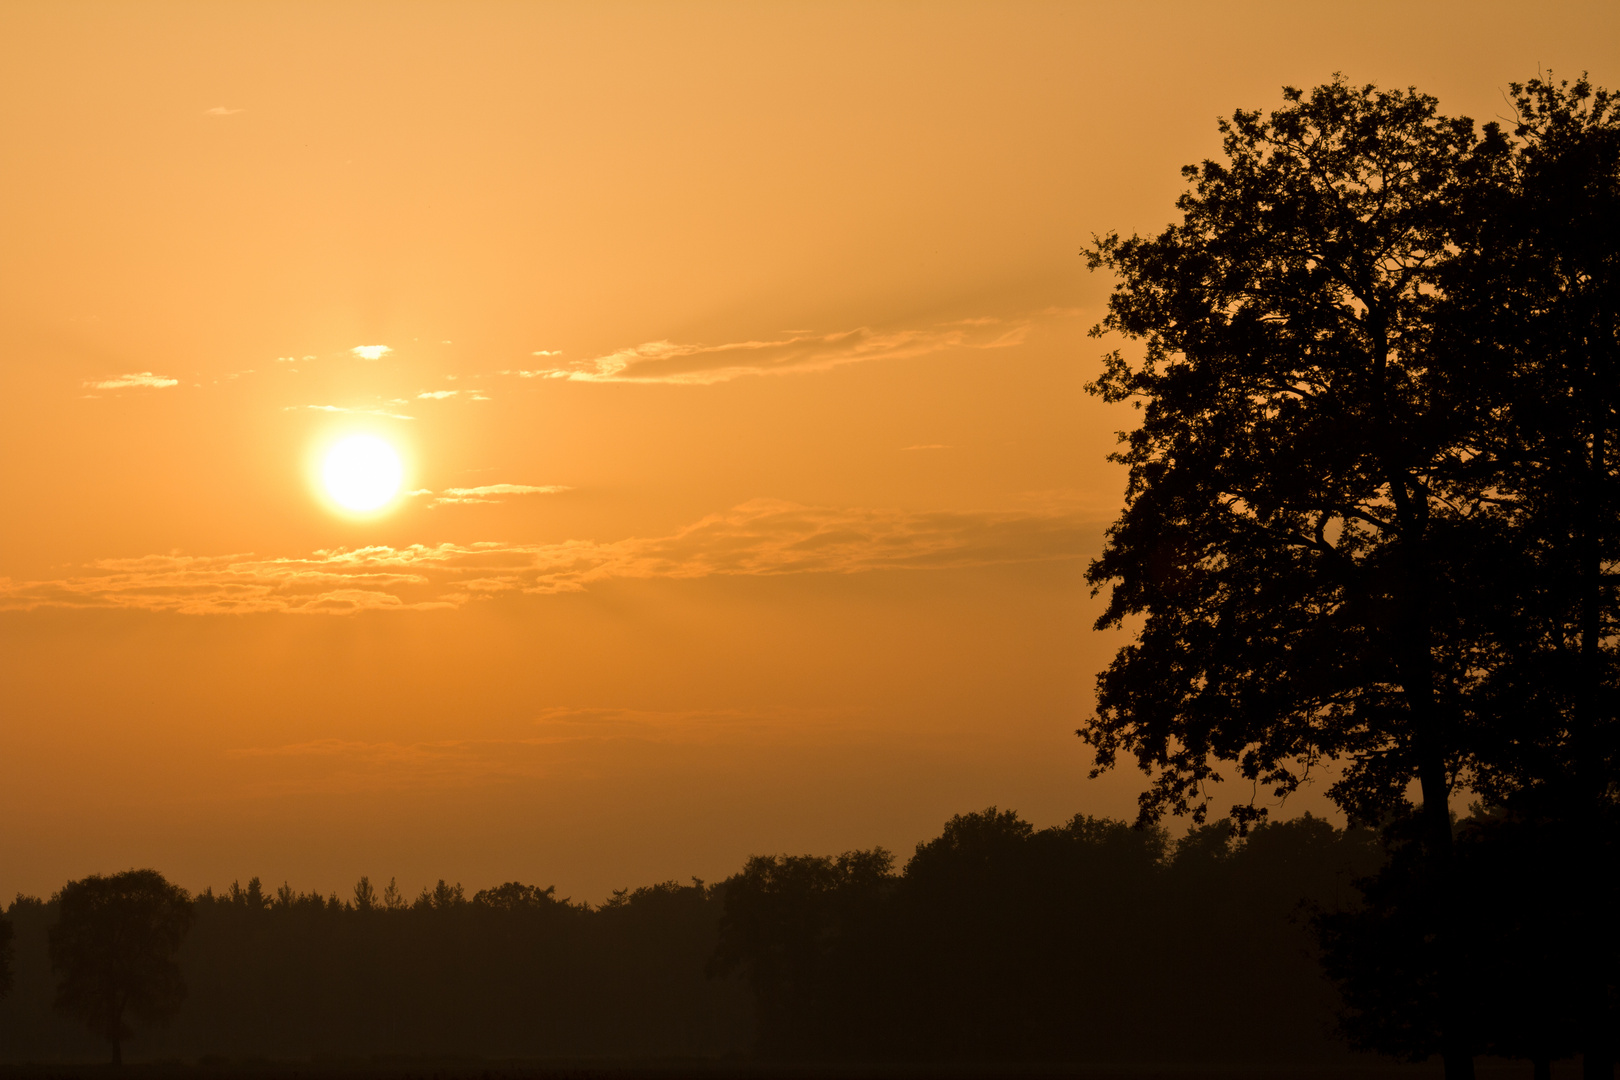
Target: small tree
x,y
365,897
114,947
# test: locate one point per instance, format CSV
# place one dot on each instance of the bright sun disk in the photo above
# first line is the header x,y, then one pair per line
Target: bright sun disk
x,y
362,473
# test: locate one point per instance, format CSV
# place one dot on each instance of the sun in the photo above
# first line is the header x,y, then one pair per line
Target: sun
x,y
362,473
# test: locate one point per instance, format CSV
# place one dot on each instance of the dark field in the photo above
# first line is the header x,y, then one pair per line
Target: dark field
x,y
521,1070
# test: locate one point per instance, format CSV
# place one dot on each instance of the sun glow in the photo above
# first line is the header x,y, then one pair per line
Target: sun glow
x,y
362,473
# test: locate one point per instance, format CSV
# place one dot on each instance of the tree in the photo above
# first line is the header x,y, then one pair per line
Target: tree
x,y
1536,295
1310,513
788,920
365,897
516,896
1525,996
114,946
6,933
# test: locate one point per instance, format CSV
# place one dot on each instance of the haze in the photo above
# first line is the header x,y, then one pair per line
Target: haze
x,y
734,355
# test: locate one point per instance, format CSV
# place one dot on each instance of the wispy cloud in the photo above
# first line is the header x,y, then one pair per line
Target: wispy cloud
x,y
438,395
697,364
491,493
759,538
135,379
371,352
220,110
546,352
345,409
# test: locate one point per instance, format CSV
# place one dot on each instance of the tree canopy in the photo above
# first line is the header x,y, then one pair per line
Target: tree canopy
x,y
1373,512
114,947
1306,466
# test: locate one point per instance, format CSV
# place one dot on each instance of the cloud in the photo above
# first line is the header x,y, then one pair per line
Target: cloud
x,y
487,493
761,538
220,110
361,412
546,352
490,491
438,395
138,378
371,352
696,364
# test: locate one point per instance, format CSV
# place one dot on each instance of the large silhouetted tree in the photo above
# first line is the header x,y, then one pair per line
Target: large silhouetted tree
x,y
1566,257
1527,301
1310,511
1544,288
1534,296
114,947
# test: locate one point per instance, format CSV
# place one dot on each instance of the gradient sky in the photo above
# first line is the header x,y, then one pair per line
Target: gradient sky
x,y
735,353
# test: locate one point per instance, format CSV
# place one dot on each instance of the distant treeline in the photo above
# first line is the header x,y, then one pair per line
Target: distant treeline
x,y
996,941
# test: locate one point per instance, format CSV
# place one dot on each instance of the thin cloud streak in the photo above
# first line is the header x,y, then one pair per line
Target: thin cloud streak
x,y
144,379
488,493
699,365
359,412
761,538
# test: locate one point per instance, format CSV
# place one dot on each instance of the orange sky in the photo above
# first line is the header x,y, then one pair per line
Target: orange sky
x,y
775,310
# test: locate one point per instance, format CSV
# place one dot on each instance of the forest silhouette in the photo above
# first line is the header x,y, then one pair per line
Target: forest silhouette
x,y
995,942
1371,527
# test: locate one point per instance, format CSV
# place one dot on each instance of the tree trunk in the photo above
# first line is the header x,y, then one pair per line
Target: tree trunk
x,y
1455,1050
1416,665
1597,1050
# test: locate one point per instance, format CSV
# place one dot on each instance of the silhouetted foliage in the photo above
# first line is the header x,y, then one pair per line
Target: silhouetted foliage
x,y
1542,294
1301,474
7,931
1092,941
114,946
1002,942
797,923
1525,996
1372,512
1528,304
